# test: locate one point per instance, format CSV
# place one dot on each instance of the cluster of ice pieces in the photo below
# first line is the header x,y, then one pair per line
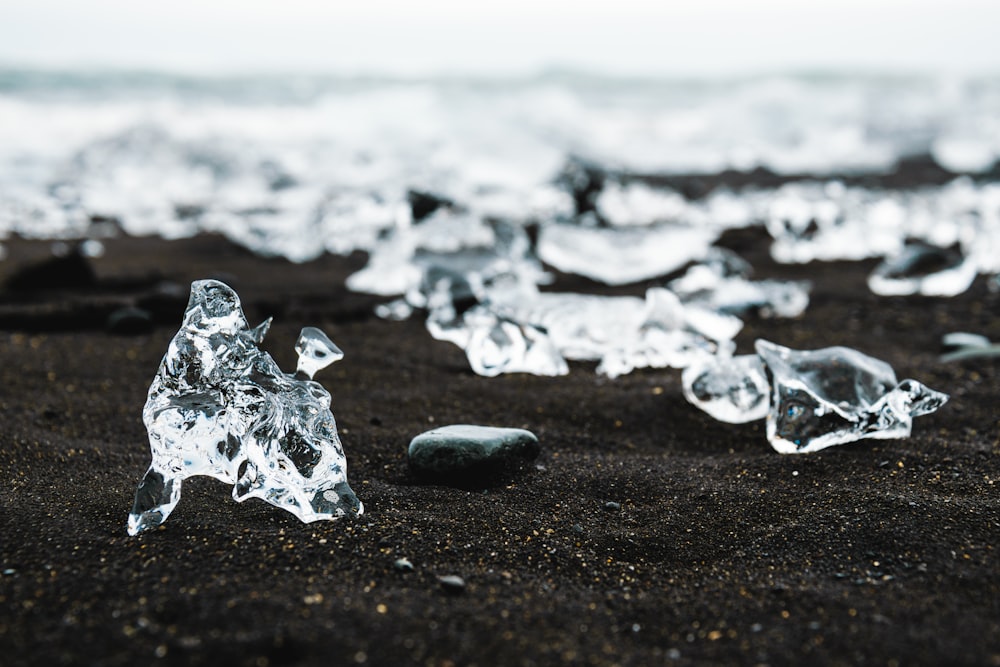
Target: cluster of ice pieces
x,y
811,399
220,406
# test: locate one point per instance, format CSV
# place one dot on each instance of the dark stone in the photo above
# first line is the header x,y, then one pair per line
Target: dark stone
x,y
470,456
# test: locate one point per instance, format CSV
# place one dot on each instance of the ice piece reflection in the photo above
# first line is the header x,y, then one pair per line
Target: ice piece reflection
x,y
836,395
220,406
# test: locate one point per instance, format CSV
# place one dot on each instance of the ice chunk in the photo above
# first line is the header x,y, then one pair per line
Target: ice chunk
x,y
495,344
924,269
220,406
722,285
731,389
960,346
316,351
836,395
625,255
639,204
831,222
535,331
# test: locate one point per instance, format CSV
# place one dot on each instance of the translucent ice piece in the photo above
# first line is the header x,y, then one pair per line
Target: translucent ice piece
x,y
624,255
498,345
924,269
716,286
316,351
835,395
830,222
220,406
960,346
731,389
639,204
623,333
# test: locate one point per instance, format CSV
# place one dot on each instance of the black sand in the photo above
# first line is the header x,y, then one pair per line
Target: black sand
x,y
647,534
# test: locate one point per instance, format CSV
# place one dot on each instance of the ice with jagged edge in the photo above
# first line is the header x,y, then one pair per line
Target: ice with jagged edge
x,y
835,395
731,389
922,268
722,283
220,406
544,329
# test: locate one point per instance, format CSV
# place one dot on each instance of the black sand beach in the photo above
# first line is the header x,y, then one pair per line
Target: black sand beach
x,y
646,534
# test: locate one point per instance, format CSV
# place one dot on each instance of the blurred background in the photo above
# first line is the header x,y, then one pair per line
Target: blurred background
x,y
308,127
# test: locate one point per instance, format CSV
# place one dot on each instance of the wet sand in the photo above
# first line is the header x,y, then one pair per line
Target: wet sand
x,y
646,534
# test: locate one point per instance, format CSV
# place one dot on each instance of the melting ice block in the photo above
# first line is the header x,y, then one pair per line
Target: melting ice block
x,y
220,406
731,389
836,395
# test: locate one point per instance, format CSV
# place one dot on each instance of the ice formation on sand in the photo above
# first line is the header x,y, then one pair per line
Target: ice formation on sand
x,y
837,395
220,406
731,389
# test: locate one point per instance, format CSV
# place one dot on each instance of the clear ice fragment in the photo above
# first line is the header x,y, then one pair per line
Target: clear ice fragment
x,y
495,344
836,395
316,351
220,406
921,268
734,390
623,255
722,285
960,346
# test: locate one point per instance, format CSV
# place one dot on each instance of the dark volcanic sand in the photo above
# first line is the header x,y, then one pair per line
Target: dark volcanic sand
x,y
722,551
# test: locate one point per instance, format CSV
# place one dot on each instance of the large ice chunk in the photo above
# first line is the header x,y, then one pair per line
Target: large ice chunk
x,y
220,406
836,395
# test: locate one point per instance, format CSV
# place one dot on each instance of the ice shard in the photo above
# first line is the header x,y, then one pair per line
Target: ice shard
x,y
836,395
220,406
731,389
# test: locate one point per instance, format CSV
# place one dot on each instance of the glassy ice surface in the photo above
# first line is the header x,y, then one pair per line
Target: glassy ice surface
x,y
731,389
836,395
220,406
618,256
316,351
722,286
921,268
535,332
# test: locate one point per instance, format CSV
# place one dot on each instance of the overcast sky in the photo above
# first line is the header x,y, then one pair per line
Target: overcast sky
x,y
408,37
